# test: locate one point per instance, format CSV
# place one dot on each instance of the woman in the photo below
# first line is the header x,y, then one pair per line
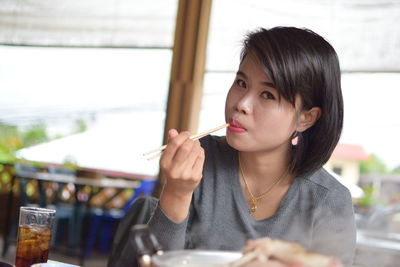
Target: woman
x,y
265,178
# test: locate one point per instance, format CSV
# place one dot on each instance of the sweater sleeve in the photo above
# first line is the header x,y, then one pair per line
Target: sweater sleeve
x,y
171,235
334,231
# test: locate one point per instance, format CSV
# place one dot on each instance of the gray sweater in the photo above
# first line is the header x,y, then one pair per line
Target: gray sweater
x,y
316,212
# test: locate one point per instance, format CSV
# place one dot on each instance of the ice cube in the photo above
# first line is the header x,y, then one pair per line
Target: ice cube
x,y
38,230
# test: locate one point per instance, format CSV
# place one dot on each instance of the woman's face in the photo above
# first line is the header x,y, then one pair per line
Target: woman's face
x,y
260,120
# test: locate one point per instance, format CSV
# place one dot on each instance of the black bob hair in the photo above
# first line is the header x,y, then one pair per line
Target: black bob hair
x,y
300,62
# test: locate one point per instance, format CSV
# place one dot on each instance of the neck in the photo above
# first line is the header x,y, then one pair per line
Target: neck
x,y
262,168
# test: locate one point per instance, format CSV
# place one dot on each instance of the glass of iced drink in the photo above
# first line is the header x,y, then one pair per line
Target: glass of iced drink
x,y
34,234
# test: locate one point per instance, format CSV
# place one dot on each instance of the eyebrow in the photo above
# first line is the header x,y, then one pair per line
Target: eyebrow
x,y
268,84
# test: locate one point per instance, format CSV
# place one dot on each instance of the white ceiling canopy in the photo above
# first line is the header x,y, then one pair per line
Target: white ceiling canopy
x,y
105,23
365,33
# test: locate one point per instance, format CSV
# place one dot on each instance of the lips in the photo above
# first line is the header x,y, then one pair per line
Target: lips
x,y
236,127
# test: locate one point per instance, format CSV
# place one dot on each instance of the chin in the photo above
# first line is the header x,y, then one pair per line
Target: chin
x,y
233,142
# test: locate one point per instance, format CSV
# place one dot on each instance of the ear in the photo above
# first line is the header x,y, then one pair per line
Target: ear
x,y
308,118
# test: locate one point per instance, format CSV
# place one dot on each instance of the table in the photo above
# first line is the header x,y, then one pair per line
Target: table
x,y
78,182
59,264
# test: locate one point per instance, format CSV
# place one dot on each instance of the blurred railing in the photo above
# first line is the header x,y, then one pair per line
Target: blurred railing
x,y
80,196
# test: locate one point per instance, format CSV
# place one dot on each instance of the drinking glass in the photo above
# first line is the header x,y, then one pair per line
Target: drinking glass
x,y
34,235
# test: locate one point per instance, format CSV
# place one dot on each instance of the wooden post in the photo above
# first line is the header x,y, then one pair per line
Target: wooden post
x,y
188,66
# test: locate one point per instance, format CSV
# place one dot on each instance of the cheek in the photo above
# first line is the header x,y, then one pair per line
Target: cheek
x,y
277,122
229,101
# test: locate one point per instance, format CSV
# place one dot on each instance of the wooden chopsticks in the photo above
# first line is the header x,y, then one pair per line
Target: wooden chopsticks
x,y
157,152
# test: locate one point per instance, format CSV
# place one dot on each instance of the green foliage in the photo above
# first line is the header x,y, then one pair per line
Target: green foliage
x,y
70,163
396,170
12,139
373,165
367,200
34,135
5,177
80,126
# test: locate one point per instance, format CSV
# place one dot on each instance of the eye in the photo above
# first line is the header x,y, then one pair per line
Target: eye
x,y
241,83
267,95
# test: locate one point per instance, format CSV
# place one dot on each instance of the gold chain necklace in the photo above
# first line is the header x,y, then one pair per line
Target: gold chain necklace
x,y
254,199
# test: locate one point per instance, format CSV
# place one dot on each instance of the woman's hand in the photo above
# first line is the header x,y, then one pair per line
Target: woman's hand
x,y
285,254
182,166
261,246
270,263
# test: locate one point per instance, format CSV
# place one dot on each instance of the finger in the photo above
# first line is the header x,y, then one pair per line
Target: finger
x,y
336,263
199,164
274,263
183,152
263,263
194,166
251,244
172,133
192,157
174,143
256,264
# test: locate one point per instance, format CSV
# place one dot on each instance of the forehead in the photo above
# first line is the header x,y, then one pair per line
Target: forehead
x,y
253,69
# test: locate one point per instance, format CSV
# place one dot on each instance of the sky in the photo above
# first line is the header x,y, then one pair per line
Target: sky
x,y
104,85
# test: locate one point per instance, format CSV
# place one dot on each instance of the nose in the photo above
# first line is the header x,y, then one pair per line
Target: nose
x,y
245,104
